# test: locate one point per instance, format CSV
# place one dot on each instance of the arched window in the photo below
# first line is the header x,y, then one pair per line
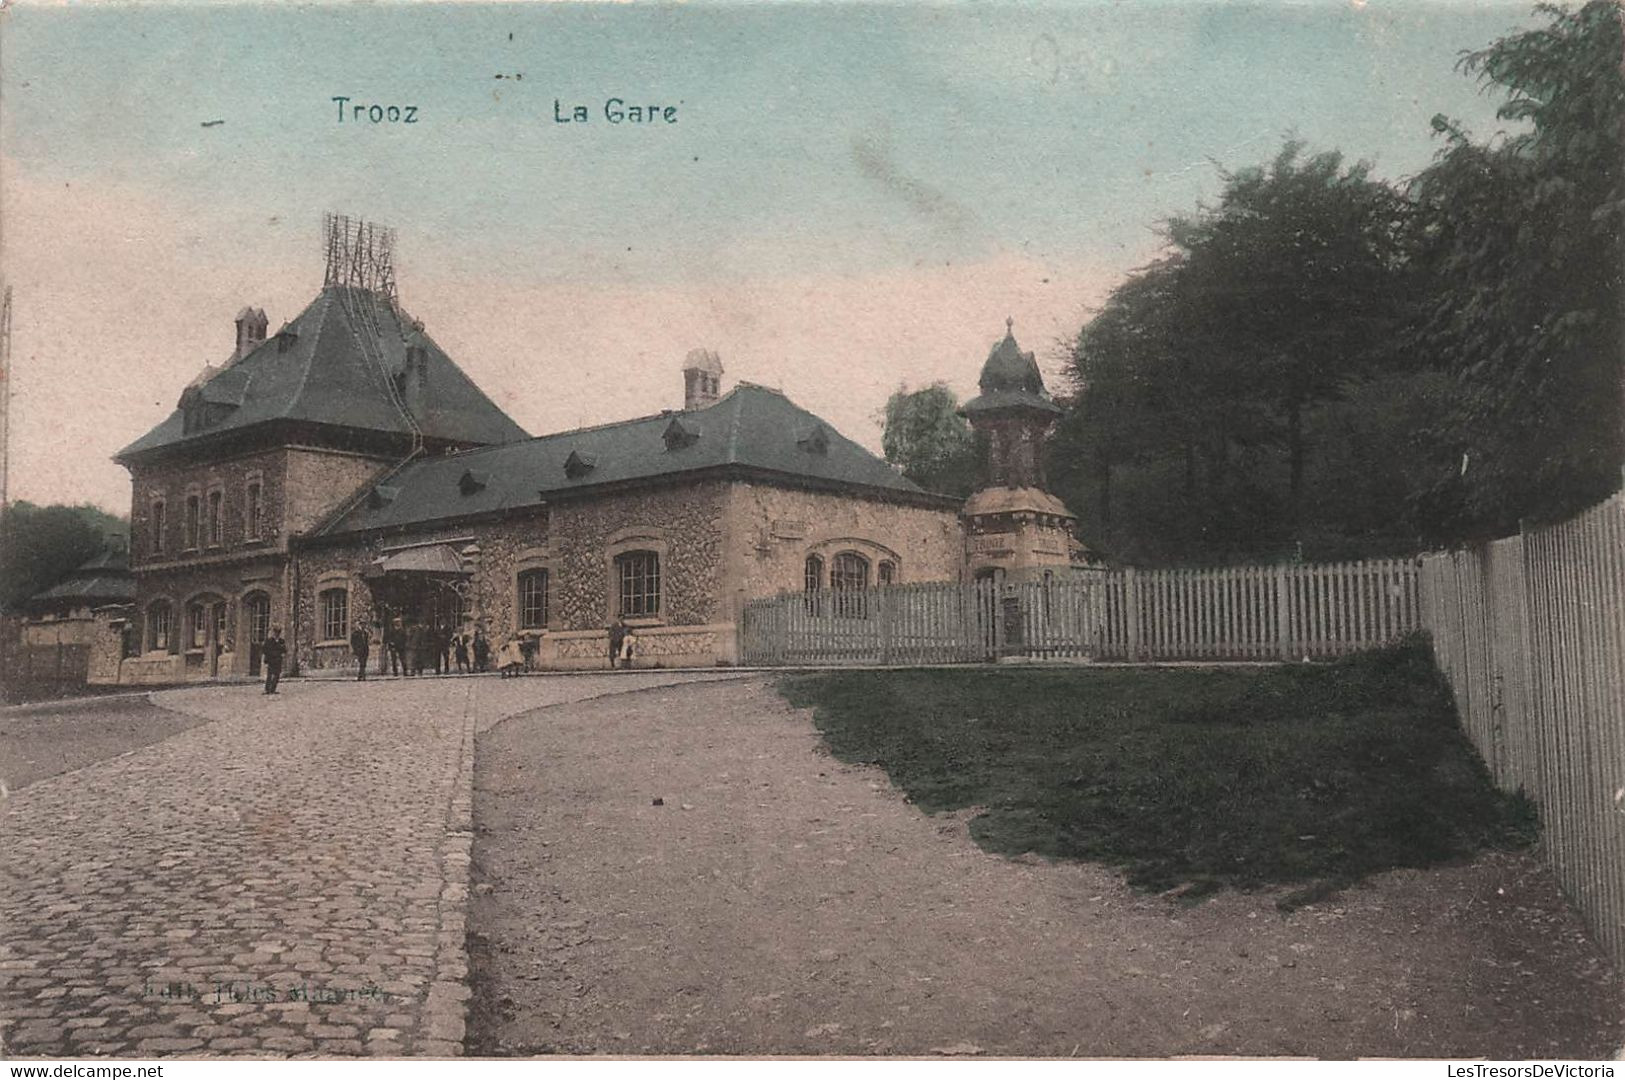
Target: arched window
x,y
335,612
638,576
194,521
158,626
886,572
848,577
252,511
216,524
197,625
257,607
157,525
533,600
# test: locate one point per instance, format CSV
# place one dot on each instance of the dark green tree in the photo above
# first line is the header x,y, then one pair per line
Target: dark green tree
x,y
925,434
1524,248
41,545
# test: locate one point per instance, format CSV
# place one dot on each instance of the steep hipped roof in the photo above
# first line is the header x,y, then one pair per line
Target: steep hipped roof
x,y
750,428
1010,380
317,370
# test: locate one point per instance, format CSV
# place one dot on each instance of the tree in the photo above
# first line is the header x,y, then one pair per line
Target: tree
x,y
1524,240
1197,381
41,545
925,434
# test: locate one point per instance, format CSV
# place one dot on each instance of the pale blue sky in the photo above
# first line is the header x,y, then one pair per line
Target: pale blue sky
x,y
853,195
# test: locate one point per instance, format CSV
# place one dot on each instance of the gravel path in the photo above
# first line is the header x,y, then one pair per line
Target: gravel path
x,y
289,877
779,902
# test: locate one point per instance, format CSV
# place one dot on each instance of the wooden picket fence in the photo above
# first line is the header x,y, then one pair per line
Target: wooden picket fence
x,y
1233,613
1530,631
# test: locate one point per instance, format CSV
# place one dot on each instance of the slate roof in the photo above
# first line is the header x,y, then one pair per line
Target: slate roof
x,y
103,578
321,375
750,428
1010,380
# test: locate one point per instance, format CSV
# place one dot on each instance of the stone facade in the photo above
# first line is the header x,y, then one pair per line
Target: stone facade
x,y
238,558
772,530
719,542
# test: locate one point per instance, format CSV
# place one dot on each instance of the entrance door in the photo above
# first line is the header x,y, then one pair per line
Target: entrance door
x,y
257,627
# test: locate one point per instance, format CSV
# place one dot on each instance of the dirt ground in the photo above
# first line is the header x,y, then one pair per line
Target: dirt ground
x,y
779,902
37,741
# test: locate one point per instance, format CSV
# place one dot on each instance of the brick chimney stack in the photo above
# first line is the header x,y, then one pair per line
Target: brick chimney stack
x,y
250,332
702,379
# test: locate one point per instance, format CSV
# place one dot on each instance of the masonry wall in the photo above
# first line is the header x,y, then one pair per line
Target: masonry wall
x,y
504,547
772,530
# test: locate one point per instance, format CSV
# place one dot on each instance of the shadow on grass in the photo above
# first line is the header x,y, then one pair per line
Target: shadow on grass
x,y
1312,775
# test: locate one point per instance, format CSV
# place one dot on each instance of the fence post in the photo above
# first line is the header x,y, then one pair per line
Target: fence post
x,y
1283,613
1131,614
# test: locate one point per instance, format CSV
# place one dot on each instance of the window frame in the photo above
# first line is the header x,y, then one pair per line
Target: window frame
x,y
192,540
215,517
160,627
645,587
327,599
527,599
155,523
847,594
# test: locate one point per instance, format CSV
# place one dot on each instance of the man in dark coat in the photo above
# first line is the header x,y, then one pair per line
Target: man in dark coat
x,y
272,653
361,645
482,650
395,645
617,640
417,645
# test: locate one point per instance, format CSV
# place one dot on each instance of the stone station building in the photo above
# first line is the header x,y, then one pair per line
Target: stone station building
x,y
345,472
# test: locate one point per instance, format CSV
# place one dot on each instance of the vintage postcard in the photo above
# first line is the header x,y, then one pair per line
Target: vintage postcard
x,y
841,530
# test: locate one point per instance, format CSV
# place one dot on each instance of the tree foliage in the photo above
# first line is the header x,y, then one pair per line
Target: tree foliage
x,y
41,545
925,434
1522,242
1330,365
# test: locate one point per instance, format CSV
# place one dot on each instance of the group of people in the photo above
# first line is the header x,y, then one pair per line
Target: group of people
x,y
411,648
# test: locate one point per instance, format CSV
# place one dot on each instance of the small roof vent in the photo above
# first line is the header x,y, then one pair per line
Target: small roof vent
x,y
472,481
680,436
382,496
578,464
814,440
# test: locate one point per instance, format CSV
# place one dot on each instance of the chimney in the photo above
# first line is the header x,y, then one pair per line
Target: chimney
x,y
250,332
415,374
702,379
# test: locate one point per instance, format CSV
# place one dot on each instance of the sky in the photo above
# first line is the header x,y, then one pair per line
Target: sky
x,y
852,197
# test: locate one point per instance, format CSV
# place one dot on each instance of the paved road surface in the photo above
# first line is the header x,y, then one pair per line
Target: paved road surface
x,y
289,878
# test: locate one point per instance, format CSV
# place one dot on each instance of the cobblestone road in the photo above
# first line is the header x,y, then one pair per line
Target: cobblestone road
x,y
288,879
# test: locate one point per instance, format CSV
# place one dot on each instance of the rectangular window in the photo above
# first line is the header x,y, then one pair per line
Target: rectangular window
x,y
639,574
197,625
194,514
335,614
533,600
157,525
251,526
216,501
158,628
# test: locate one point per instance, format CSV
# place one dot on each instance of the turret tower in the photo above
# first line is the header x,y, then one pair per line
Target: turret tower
x,y
1013,525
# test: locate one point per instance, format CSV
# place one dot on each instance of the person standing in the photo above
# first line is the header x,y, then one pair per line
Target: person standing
x,y
361,645
459,645
395,643
272,652
482,650
617,638
416,646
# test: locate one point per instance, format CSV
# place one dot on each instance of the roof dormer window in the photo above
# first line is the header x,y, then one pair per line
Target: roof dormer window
x,y
680,436
578,464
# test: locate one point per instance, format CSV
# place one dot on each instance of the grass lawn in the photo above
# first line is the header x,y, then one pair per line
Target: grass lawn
x,y
1311,774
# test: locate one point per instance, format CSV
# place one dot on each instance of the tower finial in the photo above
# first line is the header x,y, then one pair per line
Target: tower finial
x,y
1009,324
